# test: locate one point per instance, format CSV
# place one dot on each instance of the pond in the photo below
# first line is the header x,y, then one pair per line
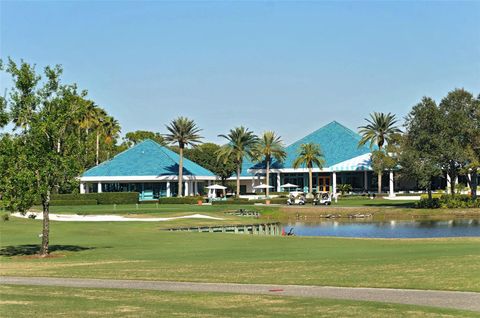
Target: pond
x,y
388,229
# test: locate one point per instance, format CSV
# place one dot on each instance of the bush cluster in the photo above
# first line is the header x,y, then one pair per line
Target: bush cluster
x,y
101,198
73,202
181,200
447,201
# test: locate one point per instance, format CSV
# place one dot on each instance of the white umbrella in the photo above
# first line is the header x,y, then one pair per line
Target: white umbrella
x,y
212,190
289,185
262,186
216,187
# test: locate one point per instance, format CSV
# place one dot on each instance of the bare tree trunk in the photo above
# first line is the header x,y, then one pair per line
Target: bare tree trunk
x,y
267,182
180,173
238,181
380,174
429,190
474,184
310,180
46,226
98,148
58,145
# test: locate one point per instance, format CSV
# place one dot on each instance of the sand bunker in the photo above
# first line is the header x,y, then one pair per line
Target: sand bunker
x,y
108,218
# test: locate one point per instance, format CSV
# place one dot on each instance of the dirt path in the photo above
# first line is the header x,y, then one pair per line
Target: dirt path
x,y
446,299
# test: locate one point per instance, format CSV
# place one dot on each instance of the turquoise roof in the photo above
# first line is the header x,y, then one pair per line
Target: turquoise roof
x,y
337,142
146,159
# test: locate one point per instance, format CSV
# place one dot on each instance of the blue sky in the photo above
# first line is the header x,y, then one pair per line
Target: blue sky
x,y
287,66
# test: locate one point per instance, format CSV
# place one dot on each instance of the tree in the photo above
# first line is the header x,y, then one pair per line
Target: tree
x,y
458,132
206,156
378,132
134,137
38,161
269,146
110,130
3,112
241,144
474,147
183,132
309,155
421,144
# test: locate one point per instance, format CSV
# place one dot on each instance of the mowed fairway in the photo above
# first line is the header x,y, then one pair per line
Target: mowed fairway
x,y
28,301
135,250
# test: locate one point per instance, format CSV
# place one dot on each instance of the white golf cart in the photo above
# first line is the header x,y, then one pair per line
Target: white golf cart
x,y
322,198
296,198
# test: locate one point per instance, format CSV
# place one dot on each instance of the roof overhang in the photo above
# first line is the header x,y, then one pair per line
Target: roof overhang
x,y
143,178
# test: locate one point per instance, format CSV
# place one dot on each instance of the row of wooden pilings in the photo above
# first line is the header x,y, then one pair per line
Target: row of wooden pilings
x,y
254,229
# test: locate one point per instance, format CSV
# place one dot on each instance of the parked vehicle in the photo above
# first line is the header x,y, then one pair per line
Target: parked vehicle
x,y
296,198
322,198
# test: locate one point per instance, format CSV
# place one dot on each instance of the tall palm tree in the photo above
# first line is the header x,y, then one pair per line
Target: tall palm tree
x,y
378,132
241,144
183,132
110,129
100,116
269,146
309,155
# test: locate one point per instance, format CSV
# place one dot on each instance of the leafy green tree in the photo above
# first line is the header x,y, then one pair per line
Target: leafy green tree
x,y
41,159
421,144
134,137
309,155
241,144
457,132
270,146
183,132
473,148
378,132
206,156
3,112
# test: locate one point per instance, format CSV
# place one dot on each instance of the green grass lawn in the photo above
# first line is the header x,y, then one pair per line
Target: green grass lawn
x,y
137,250
30,301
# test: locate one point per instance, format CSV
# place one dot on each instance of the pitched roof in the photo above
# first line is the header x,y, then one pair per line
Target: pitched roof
x,y
337,142
146,159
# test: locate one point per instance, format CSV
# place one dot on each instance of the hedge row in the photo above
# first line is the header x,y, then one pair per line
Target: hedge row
x,y
182,200
101,198
73,202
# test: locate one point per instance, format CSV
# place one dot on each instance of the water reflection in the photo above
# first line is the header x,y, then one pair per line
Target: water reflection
x,y
388,229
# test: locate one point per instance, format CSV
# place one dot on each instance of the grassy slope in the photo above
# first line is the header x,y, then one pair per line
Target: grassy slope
x,y
140,251
26,301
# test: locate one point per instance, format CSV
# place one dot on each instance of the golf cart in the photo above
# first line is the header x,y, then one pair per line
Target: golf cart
x,y
322,198
296,198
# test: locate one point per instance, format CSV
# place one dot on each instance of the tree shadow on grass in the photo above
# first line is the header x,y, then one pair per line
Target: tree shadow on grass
x,y
32,249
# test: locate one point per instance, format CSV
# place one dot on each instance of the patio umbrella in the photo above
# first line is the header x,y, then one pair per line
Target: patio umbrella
x,y
212,188
262,186
289,185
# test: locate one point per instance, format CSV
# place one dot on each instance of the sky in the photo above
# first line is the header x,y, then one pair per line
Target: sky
x,y
290,67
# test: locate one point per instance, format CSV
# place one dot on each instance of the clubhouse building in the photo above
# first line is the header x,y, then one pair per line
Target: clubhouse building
x,y
151,169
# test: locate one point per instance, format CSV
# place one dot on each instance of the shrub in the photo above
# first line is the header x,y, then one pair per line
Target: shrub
x,y
5,217
101,198
433,203
344,188
73,202
181,200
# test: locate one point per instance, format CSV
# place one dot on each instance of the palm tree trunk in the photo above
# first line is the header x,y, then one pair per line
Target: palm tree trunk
x,y
98,148
238,181
310,180
267,182
180,173
380,174
46,225
474,184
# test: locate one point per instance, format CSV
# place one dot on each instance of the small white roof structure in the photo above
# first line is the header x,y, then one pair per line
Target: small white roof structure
x,y
360,163
262,186
289,185
216,187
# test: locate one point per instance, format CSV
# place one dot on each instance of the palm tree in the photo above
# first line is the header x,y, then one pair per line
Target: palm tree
x,y
110,129
241,144
379,131
99,119
183,132
269,146
309,155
